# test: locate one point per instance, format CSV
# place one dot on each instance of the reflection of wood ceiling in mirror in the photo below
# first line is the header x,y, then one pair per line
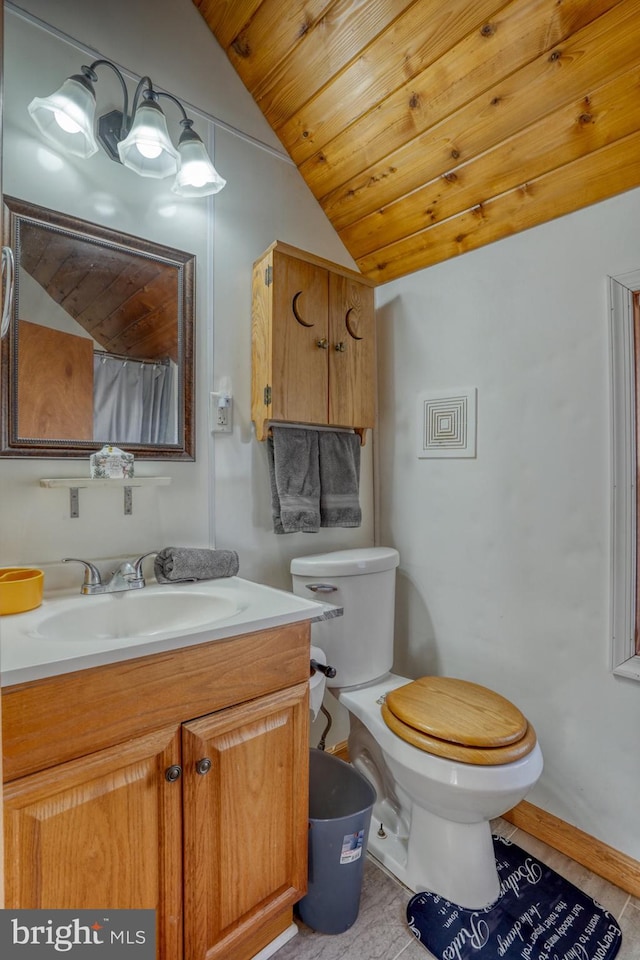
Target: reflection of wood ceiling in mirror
x,y
126,303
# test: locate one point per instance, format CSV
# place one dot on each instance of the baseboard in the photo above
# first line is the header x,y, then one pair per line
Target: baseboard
x,y
601,859
611,864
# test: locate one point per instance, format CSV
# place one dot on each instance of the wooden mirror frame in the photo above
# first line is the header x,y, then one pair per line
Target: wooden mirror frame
x,y
16,213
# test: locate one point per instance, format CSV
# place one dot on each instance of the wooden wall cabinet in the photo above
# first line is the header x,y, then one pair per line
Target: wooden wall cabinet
x,y
313,342
203,820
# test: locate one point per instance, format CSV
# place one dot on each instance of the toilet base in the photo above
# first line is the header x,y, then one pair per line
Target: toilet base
x,y
454,860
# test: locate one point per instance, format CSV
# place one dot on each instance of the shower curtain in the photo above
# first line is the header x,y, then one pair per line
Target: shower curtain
x,y
132,401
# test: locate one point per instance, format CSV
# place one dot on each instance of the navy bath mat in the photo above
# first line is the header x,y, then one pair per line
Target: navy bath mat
x,y
538,916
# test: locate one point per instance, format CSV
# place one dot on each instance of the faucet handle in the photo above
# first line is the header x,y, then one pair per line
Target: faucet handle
x,y
92,576
137,564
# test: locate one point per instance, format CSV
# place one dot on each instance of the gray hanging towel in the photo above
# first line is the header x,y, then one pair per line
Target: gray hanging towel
x,y
339,479
294,475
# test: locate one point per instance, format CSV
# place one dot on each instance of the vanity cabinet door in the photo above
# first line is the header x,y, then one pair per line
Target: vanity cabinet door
x,y
246,815
101,832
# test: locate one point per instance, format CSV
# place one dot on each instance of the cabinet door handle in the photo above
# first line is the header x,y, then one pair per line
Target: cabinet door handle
x,y
296,312
341,346
323,344
347,323
203,766
173,773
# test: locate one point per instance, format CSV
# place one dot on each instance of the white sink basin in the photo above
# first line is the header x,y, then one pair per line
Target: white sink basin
x,y
133,614
73,632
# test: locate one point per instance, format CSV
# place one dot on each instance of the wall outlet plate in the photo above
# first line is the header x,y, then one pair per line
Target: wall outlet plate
x,y
221,412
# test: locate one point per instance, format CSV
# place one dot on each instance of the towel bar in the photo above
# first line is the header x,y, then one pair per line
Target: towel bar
x,y
361,431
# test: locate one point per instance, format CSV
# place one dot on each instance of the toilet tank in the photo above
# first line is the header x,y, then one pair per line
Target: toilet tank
x,y
362,581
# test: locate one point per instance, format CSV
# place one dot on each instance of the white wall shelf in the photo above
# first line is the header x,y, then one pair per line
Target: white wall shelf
x,y
75,484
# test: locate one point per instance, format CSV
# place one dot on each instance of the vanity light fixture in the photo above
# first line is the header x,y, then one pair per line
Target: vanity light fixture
x,y
140,140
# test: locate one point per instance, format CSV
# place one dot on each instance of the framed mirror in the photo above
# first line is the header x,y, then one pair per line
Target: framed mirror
x,y
100,345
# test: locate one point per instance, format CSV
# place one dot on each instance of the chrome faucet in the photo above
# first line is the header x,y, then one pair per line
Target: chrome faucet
x,y
128,576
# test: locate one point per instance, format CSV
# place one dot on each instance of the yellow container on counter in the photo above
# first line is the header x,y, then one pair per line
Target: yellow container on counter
x,y
20,589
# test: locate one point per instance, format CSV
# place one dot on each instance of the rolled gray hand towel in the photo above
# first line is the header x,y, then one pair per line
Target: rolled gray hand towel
x,y
191,563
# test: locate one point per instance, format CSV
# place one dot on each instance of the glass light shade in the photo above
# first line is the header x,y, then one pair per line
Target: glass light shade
x,y
67,117
197,176
147,149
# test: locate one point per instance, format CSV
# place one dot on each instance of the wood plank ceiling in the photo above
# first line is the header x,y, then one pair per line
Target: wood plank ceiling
x,y
426,128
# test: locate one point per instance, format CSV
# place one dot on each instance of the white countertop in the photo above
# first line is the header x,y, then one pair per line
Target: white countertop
x,y
30,649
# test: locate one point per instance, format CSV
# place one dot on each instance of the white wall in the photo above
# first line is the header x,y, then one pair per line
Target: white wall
x,y
223,498
504,575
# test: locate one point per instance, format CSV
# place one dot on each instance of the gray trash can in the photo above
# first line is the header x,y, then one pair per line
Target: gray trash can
x,y
340,803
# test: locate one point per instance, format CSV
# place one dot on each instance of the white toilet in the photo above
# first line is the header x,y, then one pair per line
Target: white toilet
x,y
445,756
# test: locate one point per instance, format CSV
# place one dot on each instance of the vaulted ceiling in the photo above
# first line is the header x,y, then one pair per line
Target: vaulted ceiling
x,y
426,128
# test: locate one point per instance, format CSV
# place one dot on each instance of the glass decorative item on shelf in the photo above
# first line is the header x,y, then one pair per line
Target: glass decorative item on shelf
x,y
111,463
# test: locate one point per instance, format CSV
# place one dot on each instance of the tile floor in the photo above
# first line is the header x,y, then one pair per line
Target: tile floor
x,y
381,932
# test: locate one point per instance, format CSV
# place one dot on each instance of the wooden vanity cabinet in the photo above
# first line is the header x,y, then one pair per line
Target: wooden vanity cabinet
x,y
313,342
193,802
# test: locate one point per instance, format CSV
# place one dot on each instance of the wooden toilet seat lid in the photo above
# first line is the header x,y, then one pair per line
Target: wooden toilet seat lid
x,y
458,719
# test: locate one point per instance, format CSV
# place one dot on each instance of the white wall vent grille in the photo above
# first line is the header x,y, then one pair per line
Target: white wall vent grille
x,y
447,423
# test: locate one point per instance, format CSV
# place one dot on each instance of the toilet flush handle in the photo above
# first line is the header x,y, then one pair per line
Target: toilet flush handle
x,y
321,587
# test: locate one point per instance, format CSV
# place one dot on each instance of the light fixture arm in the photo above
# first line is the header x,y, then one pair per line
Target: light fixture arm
x,y
90,73
144,89
169,96
186,122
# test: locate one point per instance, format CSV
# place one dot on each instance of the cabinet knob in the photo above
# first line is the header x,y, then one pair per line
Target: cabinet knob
x,y
341,347
323,344
173,773
203,766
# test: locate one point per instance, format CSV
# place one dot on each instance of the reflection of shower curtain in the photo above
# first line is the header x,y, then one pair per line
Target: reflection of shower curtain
x,y
132,401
